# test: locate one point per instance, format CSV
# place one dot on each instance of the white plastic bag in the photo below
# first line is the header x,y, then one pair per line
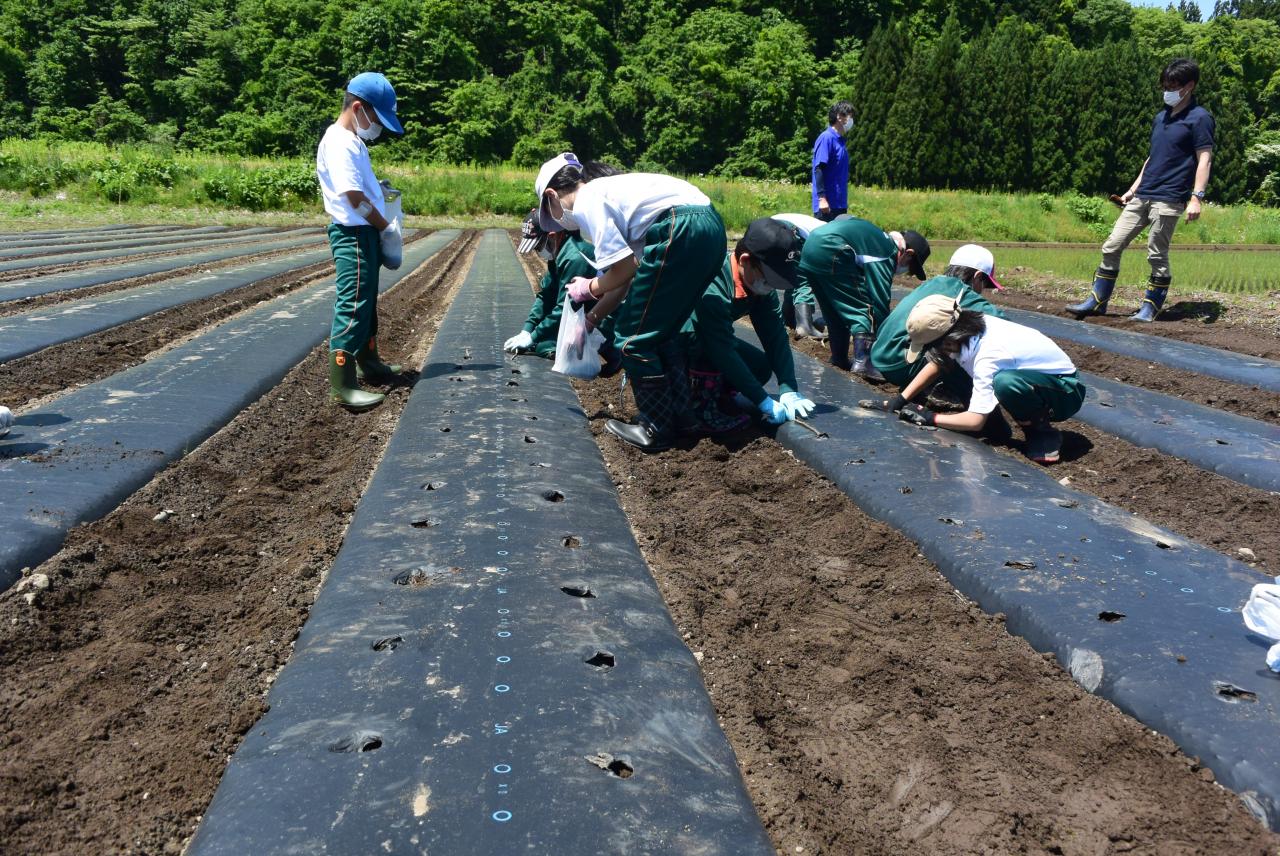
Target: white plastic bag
x,y
581,363
1262,616
392,237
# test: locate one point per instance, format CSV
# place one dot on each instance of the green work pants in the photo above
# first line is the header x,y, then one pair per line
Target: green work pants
x,y
683,252
1027,394
357,257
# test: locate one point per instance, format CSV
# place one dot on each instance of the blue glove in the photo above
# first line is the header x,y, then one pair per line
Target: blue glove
x,y
796,405
773,412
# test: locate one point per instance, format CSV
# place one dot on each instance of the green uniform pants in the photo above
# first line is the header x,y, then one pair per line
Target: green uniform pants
x,y
802,293
1027,394
357,257
683,252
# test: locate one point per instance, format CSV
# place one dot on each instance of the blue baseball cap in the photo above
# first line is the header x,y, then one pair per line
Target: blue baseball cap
x,y
375,90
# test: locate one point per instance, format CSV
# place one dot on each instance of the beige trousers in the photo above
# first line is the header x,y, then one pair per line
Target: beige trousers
x,y
1162,217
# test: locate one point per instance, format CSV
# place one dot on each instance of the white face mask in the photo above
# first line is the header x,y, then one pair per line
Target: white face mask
x,y
1172,98
370,133
566,219
848,126
545,254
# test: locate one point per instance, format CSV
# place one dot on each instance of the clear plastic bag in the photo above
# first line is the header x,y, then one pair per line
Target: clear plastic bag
x,y
392,237
1262,616
583,361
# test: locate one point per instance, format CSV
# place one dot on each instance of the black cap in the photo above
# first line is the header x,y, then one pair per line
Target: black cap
x,y
775,247
915,241
531,235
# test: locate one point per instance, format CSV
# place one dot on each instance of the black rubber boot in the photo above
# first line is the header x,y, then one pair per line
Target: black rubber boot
x,y
612,358
838,340
1044,442
1104,282
654,428
342,384
708,388
862,357
370,367
804,321
1153,302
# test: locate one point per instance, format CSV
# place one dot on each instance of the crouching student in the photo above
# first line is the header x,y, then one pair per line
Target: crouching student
x,y
969,274
658,244
850,264
567,256
754,275
1012,366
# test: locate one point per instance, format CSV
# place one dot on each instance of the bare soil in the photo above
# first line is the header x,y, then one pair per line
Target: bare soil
x,y
127,686
872,708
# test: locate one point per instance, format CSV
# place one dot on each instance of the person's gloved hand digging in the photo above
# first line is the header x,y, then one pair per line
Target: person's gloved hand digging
x,y
796,405
885,405
774,413
918,414
518,342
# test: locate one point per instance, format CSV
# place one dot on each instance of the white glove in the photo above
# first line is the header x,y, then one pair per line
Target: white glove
x,y
773,412
796,405
392,246
519,341
6,421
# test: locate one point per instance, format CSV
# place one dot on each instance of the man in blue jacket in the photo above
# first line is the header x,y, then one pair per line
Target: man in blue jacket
x,y
831,164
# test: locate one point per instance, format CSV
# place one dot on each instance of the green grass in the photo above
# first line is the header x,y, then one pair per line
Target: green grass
x,y
43,185
1231,272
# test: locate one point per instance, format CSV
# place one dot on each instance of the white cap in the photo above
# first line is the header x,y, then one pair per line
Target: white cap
x,y
548,171
978,258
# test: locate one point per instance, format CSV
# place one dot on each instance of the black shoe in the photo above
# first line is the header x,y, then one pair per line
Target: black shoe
x,y
1044,442
997,430
639,435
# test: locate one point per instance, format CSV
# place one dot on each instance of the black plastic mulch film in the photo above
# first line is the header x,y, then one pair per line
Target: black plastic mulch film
x,y
489,667
1137,614
25,333
22,239
77,243
16,289
161,243
78,456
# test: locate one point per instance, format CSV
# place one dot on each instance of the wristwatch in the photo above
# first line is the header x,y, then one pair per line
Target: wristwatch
x,y
1199,194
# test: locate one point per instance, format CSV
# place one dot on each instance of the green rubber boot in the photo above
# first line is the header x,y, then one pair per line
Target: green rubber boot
x,y
342,384
370,367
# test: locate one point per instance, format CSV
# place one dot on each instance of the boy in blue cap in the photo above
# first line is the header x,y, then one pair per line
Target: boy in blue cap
x,y
360,236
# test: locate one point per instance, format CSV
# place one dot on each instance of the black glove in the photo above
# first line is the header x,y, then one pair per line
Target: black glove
x,y
884,405
918,414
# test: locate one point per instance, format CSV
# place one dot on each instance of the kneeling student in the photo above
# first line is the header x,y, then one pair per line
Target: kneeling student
x,y
1012,366
761,265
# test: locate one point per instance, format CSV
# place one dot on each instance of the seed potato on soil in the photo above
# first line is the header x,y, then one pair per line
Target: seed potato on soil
x,y
872,708
127,685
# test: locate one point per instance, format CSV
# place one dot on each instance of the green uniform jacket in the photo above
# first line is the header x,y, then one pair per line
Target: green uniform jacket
x,y
712,324
889,353
850,265
543,322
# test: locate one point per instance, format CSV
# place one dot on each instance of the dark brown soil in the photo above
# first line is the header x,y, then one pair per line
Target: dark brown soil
x,y
873,710
124,690
1168,491
26,304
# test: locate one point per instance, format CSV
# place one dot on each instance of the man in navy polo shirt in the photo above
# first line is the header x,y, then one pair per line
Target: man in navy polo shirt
x,y
1172,180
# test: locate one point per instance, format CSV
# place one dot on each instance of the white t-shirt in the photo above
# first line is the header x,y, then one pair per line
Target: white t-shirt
x,y
1006,345
615,212
342,165
803,223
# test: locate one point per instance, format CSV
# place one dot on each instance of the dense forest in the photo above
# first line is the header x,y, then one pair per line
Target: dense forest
x,y
1024,95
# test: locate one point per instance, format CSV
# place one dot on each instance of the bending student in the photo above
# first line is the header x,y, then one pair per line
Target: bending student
x,y
851,264
658,244
1012,366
